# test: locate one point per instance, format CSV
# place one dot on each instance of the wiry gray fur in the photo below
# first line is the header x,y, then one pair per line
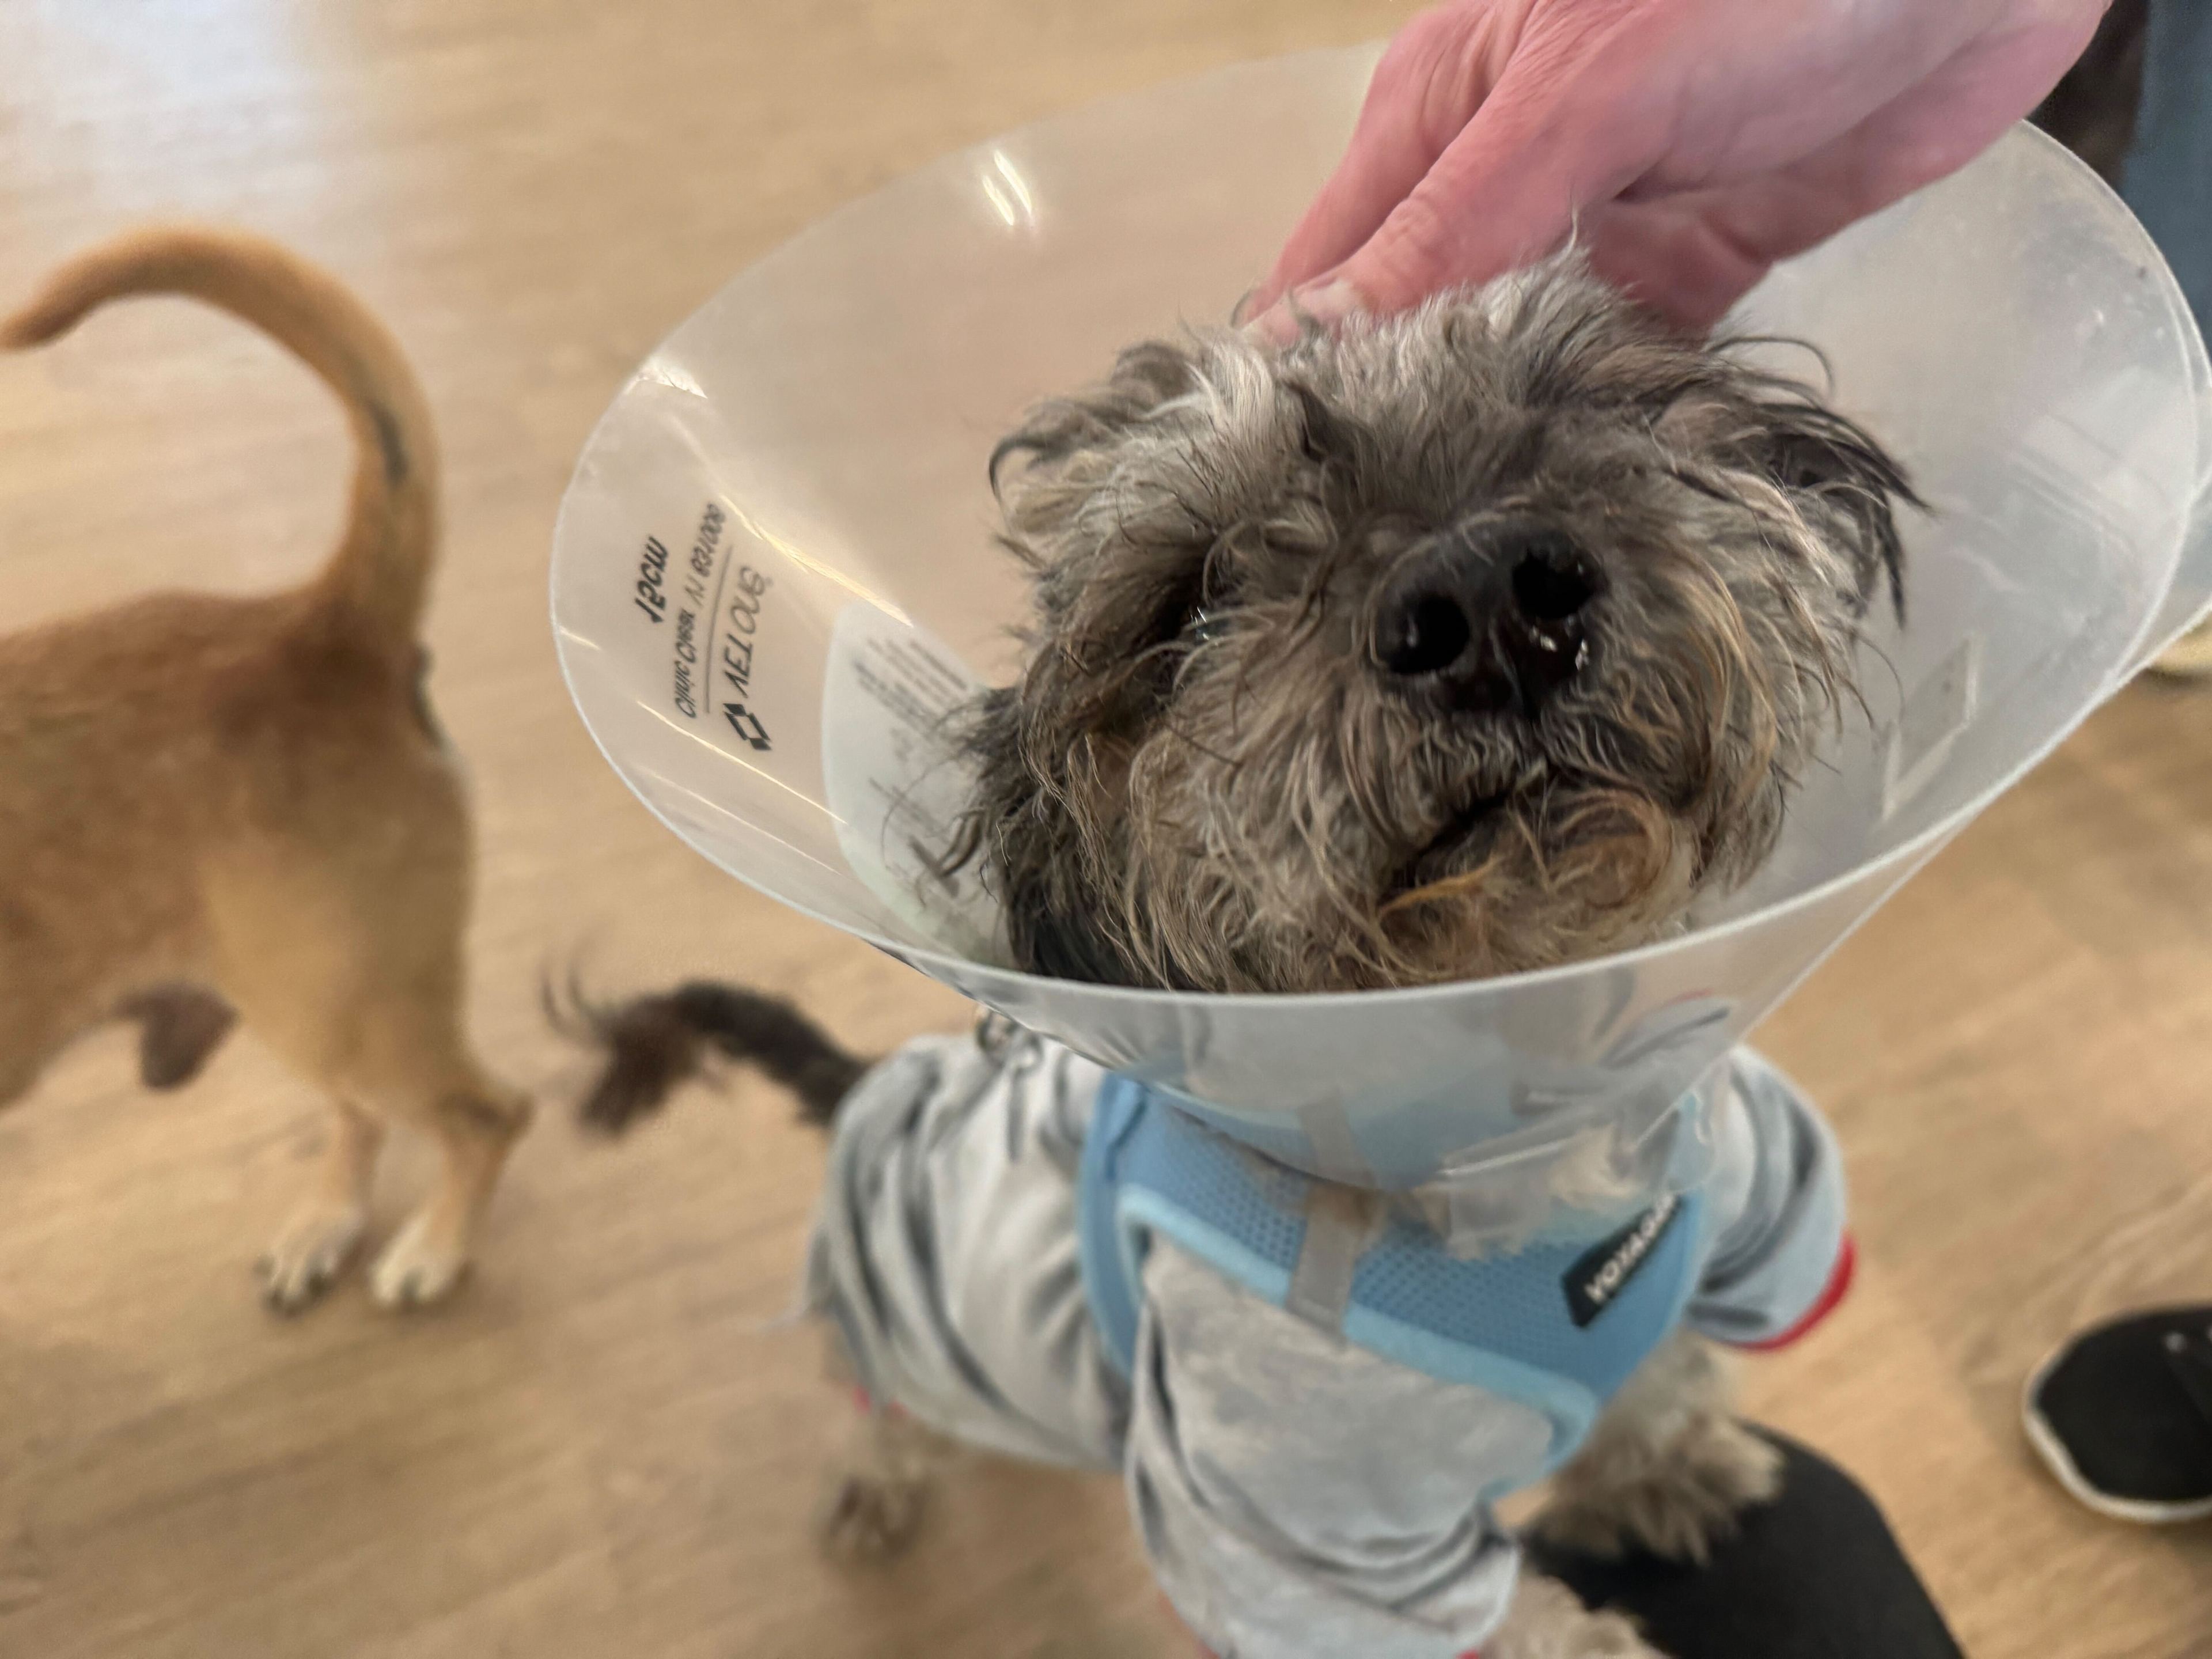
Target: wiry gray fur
x,y
1203,780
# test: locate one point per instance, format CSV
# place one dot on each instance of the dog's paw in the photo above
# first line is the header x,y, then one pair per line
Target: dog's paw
x,y
1548,1621
307,1256
1677,1505
867,1516
418,1267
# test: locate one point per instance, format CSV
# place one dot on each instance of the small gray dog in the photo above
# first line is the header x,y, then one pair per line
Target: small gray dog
x,y
1479,639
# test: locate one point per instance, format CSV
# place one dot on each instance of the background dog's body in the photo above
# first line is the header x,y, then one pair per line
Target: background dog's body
x,y
210,804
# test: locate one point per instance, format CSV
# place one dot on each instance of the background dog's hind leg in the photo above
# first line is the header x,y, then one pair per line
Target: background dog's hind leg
x,y
179,1028
341,945
405,1063
476,1123
325,1229
23,1053
38,1015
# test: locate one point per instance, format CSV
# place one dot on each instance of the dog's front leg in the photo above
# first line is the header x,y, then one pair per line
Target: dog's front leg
x,y
324,1231
1548,1621
1668,1468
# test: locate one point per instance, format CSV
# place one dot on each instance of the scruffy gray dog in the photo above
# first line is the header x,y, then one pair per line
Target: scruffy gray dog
x,y
1482,639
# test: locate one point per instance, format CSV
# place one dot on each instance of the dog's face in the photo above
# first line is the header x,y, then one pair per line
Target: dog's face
x,y
1483,639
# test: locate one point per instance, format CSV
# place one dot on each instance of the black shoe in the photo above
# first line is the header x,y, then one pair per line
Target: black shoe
x,y
2123,1414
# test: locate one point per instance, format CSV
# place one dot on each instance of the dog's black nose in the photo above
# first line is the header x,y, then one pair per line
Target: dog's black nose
x,y
1493,622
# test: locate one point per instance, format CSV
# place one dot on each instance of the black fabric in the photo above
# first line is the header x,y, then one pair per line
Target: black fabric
x,y
2092,110
2131,1402
1816,1575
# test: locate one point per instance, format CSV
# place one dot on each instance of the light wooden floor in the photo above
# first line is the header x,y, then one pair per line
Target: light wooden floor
x,y
605,1447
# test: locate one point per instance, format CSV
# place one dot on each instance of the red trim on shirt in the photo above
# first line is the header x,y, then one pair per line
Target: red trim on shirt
x,y
1840,1285
866,1404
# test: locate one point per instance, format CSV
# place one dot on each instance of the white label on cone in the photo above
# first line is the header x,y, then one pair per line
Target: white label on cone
x,y
895,781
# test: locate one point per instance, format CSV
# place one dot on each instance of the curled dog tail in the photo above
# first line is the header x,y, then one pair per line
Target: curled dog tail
x,y
655,1044
380,574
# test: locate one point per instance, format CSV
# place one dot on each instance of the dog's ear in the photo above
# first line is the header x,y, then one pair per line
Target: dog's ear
x,y
1325,437
1144,377
1017,828
987,732
1843,482
1062,943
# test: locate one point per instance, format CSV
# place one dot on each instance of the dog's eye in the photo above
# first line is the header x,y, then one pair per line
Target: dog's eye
x,y
1204,627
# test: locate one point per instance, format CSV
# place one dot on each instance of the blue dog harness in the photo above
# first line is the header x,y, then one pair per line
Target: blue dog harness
x,y
1556,1326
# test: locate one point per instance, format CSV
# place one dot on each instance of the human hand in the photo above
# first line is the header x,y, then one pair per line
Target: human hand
x,y
1688,144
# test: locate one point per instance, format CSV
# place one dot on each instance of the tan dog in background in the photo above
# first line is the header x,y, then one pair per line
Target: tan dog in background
x,y
214,806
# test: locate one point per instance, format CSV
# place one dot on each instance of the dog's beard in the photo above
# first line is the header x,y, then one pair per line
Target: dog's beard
x,y
1244,755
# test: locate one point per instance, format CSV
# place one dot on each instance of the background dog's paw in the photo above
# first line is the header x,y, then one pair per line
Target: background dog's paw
x,y
868,1517
1677,1505
307,1256
1548,1621
418,1267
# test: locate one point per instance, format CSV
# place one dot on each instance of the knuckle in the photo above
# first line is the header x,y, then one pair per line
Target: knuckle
x,y
1428,46
1415,254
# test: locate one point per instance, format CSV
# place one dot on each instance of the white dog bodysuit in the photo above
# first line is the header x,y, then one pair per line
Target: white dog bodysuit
x,y
1039,1257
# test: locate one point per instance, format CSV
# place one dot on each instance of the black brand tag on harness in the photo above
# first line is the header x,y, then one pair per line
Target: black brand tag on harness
x,y
1601,1273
